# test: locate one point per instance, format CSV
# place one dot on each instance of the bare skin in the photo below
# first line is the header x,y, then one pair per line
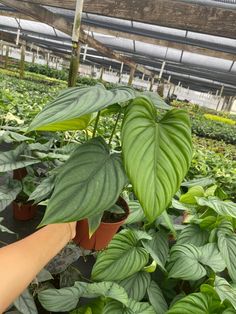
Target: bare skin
x,y
21,261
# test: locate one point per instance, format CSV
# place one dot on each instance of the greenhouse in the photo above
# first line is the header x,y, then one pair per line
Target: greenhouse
x,y
118,156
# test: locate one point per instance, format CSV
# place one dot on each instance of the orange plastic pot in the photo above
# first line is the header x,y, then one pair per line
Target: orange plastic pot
x,y
24,212
103,235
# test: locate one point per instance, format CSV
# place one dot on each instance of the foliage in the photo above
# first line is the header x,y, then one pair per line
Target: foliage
x,y
219,119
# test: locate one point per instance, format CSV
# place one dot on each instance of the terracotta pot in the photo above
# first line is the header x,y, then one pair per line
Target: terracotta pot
x,y
103,235
19,174
24,211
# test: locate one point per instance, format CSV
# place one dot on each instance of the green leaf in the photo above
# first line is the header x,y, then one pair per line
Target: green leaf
x,y
184,263
95,306
5,229
227,247
88,183
123,257
66,299
43,190
201,181
136,213
25,303
11,137
158,102
78,102
158,248
8,193
156,298
136,285
224,208
198,303
193,234
211,257
16,158
156,155
166,221
189,197
225,290
114,307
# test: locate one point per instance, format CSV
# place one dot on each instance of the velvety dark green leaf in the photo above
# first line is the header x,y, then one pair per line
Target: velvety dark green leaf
x,y
25,303
88,183
158,248
123,257
156,155
224,208
227,247
16,158
78,102
136,285
193,234
198,303
156,298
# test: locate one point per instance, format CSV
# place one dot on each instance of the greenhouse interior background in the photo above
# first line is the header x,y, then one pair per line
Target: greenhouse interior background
x,y
118,121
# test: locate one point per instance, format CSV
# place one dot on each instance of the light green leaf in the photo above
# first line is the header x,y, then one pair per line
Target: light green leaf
x,y
96,307
16,158
193,234
43,190
184,263
156,298
78,102
158,102
133,307
225,290
123,257
156,155
158,248
227,247
211,257
136,285
224,208
25,303
198,303
189,197
200,181
8,193
88,183
66,299
136,213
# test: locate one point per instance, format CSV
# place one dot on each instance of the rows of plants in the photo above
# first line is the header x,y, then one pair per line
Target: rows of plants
x,y
176,250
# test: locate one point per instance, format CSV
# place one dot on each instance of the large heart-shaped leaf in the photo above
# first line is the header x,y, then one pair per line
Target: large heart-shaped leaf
x,y
227,247
156,298
157,155
193,234
224,208
198,303
211,257
225,291
88,183
133,307
156,99
16,158
136,285
66,299
78,102
123,257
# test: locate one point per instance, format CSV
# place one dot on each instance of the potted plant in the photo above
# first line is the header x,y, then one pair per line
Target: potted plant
x,y
154,157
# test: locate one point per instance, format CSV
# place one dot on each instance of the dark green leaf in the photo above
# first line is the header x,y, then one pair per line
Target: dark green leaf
x,y
156,298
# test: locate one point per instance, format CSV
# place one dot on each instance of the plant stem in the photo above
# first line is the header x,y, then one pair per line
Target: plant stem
x,y
114,129
96,123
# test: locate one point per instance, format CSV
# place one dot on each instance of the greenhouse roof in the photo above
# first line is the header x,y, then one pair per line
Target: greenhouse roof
x,y
198,45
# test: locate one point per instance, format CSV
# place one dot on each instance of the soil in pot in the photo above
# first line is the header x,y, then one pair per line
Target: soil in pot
x,y
23,211
111,222
19,174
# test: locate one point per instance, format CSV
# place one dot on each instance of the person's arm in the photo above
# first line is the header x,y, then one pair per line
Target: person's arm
x,y
21,261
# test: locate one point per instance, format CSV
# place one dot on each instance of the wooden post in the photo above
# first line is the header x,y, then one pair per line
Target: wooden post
x,y
131,76
74,61
22,61
6,57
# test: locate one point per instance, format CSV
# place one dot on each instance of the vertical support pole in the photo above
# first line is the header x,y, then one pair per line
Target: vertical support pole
x,y
33,58
151,83
74,62
162,70
22,61
56,63
18,37
101,73
85,52
131,76
6,57
143,76
121,71
48,59
169,78
221,93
